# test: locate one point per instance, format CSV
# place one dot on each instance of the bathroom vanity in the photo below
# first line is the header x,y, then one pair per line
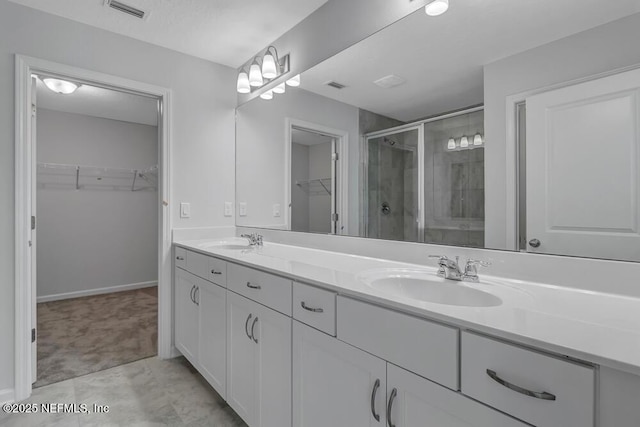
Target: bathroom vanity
x,y
292,336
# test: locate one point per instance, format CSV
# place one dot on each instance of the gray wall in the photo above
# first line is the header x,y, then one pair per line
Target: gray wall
x,y
598,50
299,198
94,238
203,101
320,205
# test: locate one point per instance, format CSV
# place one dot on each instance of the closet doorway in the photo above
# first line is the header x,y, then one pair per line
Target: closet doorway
x,y
93,280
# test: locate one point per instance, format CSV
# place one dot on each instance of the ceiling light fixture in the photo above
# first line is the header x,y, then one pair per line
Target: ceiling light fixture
x,y
437,7
261,70
243,83
294,81
60,86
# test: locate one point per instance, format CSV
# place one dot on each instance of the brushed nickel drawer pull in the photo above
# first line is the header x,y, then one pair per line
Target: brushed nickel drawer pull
x,y
311,309
216,272
543,395
249,285
374,392
180,258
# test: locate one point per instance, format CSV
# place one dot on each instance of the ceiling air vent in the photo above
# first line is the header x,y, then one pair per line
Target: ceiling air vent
x,y
335,85
125,8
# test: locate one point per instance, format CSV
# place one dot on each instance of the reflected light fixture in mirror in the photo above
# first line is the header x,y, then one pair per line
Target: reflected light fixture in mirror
x,y
281,88
243,83
477,139
294,81
437,7
60,86
268,95
451,145
464,142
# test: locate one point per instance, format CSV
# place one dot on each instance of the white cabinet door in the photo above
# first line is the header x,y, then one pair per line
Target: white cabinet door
x,y
335,384
186,312
212,304
241,356
577,136
417,402
271,332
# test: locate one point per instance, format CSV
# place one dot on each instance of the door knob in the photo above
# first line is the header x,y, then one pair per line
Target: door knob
x,y
534,243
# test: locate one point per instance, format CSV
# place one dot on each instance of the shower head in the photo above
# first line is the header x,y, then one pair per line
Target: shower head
x,y
389,141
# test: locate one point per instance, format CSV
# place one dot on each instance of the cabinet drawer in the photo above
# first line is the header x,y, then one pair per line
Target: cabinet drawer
x,y
426,348
315,307
218,271
180,257
267,289
198,264
502,375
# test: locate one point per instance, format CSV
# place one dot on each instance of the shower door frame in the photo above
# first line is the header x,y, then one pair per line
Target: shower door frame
x,y
364,154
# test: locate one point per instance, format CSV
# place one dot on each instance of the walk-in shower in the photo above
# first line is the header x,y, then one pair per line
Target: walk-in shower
x,y
424,181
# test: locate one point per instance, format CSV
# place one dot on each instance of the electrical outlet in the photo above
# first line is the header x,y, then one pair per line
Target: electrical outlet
x,y
243,208
276,210
185,210
228,209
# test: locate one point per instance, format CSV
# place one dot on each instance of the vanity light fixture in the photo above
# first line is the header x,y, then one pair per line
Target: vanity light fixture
x,y
60,86
243,83
281,88
477,139
451,145
294,81
437,7
268,95
261,70
464,142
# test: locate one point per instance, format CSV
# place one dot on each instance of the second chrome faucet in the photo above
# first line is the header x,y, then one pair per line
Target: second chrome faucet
x,y
450,269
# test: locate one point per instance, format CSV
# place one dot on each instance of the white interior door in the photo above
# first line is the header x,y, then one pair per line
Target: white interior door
x,y
34,265
583,178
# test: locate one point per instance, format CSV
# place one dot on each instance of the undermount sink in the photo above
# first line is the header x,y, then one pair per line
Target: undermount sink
x,y
232,245
425,286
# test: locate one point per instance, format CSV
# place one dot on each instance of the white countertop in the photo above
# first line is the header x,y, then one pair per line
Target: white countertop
x,y
596,327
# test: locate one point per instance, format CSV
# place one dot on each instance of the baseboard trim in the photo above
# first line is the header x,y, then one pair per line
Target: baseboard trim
x,y
7,396
98,291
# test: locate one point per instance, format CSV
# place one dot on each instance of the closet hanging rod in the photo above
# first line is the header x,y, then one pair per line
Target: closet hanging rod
x,y
101,168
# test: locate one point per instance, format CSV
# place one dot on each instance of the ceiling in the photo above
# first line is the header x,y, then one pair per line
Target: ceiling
x,y
442,58
99,102
227,32
303,137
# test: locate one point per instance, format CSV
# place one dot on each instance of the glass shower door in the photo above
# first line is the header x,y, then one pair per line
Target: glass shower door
x,y
393,185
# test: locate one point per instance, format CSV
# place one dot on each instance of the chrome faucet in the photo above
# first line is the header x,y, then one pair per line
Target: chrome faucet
x,y
450,269
255,239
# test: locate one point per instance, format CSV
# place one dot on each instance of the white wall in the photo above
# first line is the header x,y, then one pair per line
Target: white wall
x,y
260,148
91,239
598,50
202,126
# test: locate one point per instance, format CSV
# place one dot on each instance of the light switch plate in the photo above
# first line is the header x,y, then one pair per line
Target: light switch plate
x,y
243,208
228,209
276,210
185,210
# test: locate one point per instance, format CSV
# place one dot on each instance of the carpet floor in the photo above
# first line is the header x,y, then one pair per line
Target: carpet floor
x,y
83,335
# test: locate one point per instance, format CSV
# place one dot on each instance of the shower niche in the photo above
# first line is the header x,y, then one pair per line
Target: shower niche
x,y
425,181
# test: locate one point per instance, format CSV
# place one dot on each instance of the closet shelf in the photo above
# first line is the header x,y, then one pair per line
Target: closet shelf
x,y
85,177
316,187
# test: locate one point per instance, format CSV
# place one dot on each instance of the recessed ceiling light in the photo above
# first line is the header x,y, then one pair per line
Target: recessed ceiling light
x,y
437,7
60,86
389,81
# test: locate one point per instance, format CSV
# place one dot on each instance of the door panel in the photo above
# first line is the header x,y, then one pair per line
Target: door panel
x,y
333,382
576,136
241,356
213,335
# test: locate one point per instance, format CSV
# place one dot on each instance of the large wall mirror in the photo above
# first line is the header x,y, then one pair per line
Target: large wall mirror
x,y
503,125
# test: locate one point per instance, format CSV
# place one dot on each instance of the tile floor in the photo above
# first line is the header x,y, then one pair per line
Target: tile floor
x,y
149,392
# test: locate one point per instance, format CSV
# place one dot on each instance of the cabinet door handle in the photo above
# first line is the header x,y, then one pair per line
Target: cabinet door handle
x,y
537,394
180,258
216,272
246,326
374,392
394,393
313,310
196,295
193,288
249,285
253,325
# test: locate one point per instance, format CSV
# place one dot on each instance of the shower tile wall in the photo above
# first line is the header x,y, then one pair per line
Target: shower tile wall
x,y
454,183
